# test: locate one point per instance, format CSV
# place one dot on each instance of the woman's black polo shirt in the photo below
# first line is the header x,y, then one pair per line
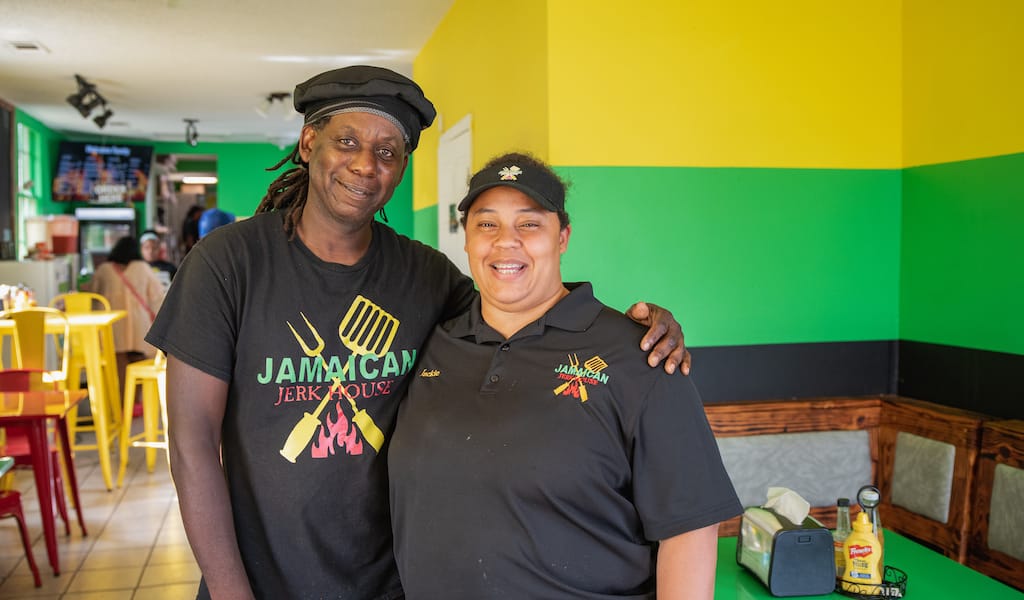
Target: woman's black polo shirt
x,y
546,465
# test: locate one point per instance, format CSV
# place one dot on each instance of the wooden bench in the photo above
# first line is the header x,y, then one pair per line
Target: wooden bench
x,y
936,468
999,556
927,454
783,424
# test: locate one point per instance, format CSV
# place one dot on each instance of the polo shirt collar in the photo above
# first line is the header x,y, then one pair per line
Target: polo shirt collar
x,y
575,312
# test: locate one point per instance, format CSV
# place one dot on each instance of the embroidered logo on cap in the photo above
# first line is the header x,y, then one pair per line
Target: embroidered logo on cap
x,y
577,378
510,173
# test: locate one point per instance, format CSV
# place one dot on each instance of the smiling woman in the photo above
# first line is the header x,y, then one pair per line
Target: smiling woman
x,y
516,232
535,443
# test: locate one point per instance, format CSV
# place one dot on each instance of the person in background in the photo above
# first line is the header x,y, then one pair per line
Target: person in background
x,y
213,218
190,228
535,446
290,336
154,252
130,284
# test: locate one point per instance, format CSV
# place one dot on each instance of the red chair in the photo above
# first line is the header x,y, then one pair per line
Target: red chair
x,y
10,506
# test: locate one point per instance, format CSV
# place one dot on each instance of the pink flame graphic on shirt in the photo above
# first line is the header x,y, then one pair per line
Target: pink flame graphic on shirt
x,y
336,433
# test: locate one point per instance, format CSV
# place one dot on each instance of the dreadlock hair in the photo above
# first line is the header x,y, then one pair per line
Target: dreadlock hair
x,y
288,192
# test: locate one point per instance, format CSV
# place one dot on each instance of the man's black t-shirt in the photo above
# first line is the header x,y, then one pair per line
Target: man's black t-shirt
x,y
259,311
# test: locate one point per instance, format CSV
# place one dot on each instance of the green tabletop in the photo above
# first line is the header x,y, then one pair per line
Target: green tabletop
x,y
930,575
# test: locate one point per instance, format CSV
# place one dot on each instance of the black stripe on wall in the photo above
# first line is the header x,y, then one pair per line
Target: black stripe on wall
x,y
978,380
779,371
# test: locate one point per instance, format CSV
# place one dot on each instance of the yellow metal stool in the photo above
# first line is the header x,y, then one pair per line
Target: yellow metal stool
x,y
92,349
152,376
77,303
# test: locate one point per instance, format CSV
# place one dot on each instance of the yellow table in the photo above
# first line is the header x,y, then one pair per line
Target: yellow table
x,y
92,335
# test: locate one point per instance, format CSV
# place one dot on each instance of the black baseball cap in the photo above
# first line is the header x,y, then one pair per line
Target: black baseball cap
x,y
520,172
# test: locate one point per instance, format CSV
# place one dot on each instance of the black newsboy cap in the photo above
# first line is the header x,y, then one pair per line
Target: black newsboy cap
x,y
384,92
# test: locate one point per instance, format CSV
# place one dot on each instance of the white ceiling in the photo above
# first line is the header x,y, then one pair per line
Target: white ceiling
x,y
158,62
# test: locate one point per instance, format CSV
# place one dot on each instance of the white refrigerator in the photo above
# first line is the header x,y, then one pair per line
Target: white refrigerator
x,y
46,278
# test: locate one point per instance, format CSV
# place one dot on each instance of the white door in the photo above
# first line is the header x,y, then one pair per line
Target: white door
x,y
454,166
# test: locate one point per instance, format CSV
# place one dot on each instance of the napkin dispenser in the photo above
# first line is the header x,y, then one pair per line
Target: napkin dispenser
x,y
789,559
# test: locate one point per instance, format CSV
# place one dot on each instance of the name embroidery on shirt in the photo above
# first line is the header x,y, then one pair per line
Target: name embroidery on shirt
x,y
577,377
430,373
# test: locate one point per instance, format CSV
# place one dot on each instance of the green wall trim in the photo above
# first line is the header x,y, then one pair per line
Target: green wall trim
x,y
743,256
962,264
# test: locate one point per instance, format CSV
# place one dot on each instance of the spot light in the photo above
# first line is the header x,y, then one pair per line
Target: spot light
x,y
101,120
191,133
84,102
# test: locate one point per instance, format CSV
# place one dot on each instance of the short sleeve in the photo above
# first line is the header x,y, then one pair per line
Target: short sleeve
x,y
197,322
679,481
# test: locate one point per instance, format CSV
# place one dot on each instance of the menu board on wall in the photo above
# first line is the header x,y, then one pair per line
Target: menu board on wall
x,y
101,173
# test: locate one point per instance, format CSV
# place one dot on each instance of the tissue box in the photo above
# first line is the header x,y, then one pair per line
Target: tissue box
x,y
789,559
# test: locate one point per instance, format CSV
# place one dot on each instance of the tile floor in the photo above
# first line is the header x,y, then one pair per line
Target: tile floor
x,y
136,547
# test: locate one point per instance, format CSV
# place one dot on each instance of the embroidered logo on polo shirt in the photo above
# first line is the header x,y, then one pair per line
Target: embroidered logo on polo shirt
x,y
578,377
430,373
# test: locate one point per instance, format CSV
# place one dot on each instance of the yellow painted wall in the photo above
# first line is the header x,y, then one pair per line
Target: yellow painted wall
x,y
878,84
963,83
792,83
488,59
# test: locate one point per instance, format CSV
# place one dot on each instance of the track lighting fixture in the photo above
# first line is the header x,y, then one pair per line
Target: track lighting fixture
x,y
86,99
191,133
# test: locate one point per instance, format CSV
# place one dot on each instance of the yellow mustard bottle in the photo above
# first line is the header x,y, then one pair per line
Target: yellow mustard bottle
x,y
863,554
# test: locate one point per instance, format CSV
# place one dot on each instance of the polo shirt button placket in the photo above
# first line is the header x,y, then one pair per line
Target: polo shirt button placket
x,y
505,347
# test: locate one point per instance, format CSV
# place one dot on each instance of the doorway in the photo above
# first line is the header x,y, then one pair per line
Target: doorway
x,y
185,183
454,166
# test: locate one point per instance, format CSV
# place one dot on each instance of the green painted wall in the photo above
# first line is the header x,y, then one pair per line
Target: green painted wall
x,y
425,223
745,256
962,267
399,208
241,171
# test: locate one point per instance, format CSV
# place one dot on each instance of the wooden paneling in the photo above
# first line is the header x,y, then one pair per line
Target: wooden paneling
x,y
961,429
793,416
1002,442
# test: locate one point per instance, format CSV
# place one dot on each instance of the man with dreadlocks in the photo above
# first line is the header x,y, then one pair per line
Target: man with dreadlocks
x,y
290,336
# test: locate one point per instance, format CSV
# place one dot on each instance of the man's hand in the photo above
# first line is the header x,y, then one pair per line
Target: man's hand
x,y
665,336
